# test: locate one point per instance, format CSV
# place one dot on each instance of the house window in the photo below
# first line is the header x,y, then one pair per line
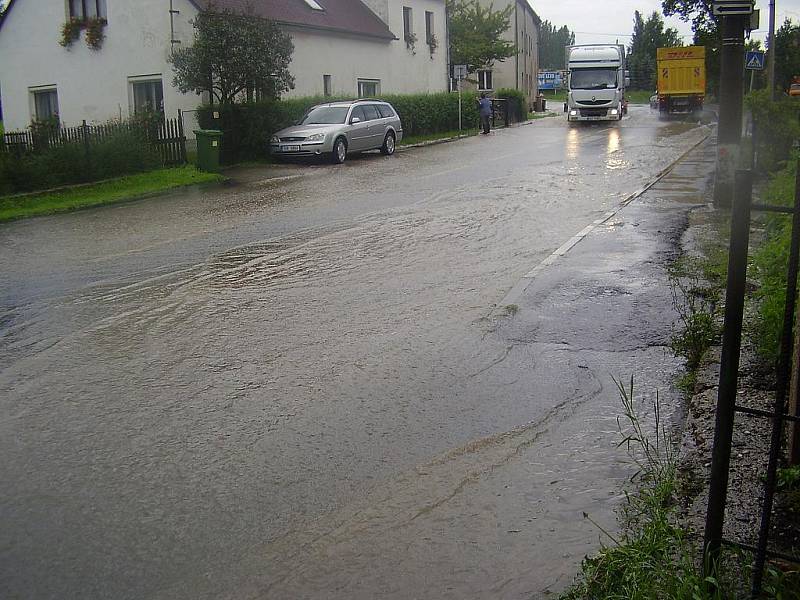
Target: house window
x,y
369,88
326,85
428,26
148,96
45,104
87,9
408,29
485,80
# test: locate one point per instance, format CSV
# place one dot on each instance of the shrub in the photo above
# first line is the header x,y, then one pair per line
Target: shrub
x,y
776,126
248,127
517,103
123,152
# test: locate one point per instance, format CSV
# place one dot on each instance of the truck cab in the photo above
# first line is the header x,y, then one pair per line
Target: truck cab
x,y
597,82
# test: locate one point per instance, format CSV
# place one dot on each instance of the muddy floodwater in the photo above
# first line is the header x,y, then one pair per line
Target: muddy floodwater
x,y
310,387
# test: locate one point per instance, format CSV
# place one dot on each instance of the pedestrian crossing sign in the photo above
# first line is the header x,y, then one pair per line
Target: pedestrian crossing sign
x,y
754,60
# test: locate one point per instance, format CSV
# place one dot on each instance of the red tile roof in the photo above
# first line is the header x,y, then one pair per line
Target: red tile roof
x,y
344,16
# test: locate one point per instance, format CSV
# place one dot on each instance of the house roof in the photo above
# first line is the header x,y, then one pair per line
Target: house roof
x,y
4,14
343,16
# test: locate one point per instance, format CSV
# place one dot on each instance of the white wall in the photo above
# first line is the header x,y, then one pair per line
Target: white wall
x,y
92,85
348,59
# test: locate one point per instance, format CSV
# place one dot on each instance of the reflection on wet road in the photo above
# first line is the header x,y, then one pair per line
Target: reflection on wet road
x,y
296,389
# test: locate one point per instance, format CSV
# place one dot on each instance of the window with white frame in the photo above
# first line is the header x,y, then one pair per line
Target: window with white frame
x,y
45,104
87,9
428,27
408,24
369,88
485,79
147,96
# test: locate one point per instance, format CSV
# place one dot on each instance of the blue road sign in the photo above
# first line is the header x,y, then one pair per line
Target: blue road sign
x,y
754,60
551,80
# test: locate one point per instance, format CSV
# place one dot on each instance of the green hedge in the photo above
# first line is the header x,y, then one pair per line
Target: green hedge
x,y
248,127
517,103
122,153
776,127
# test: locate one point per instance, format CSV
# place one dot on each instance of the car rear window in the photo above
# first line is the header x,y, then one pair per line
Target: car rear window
x,y
371,112
385,110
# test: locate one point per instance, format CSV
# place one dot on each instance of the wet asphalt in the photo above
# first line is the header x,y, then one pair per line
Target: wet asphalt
x,y
351,382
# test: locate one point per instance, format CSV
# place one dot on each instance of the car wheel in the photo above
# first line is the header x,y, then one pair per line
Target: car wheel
x,y
388,144
339,151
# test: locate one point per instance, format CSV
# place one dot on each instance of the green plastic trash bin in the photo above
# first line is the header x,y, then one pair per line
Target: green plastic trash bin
x,y
208,146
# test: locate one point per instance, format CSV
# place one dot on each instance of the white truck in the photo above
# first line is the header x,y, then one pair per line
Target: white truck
x,y
597,81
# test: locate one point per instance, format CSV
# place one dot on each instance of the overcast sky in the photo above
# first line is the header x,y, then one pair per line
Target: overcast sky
x,y
595,22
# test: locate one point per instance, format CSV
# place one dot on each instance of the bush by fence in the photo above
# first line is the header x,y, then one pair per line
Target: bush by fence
x,y
776,127
517,103
47,155
248,127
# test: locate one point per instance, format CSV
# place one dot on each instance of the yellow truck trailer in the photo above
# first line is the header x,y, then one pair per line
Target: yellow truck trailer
x,y
681,79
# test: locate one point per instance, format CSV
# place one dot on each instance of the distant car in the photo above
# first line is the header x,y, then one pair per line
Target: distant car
x,y
337,129
654,101
794,89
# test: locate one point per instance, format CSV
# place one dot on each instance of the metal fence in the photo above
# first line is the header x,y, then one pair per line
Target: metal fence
x,y
728,406
166,136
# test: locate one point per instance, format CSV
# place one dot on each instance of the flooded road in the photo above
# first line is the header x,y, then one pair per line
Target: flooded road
x,y
307,388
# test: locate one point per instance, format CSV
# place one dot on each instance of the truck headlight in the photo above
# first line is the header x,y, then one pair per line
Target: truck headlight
x,y
275,140
317,137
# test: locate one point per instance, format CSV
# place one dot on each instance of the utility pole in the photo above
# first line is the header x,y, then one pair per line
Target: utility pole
x,y
771,56
731,91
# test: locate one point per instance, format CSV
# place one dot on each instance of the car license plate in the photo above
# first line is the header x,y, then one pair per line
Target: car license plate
x,y
292,148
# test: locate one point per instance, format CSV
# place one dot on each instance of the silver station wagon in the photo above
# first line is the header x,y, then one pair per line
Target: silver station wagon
x,y
339,128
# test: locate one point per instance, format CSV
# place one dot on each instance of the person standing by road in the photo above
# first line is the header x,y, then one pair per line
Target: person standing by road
x,y
485,108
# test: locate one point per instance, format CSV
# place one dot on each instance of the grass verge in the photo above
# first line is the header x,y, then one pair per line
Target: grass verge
x,y
105,192
431,137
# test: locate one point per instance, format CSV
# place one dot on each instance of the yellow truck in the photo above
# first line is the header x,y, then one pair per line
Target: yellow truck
x,y
681,79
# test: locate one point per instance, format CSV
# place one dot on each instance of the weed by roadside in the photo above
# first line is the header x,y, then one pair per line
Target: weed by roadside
x,y
654,557
769,264
696,291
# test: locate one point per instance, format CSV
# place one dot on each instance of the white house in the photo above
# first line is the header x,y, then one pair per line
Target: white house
x,y
342,47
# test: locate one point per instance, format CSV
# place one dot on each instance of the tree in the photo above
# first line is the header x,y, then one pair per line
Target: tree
x,y
699,12
552,42
787,54
706,33
234,54
476,34
648,36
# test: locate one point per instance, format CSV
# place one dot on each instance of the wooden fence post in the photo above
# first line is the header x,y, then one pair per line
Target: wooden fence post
x,y
86,150
182,141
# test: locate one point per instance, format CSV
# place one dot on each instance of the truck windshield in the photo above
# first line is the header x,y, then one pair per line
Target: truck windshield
x,y
593,79
325,115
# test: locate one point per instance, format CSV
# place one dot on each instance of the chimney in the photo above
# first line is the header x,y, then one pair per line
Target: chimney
x,y
380,8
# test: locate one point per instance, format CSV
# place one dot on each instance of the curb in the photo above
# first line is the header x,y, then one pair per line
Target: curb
x,y
521,286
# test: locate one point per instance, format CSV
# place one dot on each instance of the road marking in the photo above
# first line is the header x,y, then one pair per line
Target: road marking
x,y
519,288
